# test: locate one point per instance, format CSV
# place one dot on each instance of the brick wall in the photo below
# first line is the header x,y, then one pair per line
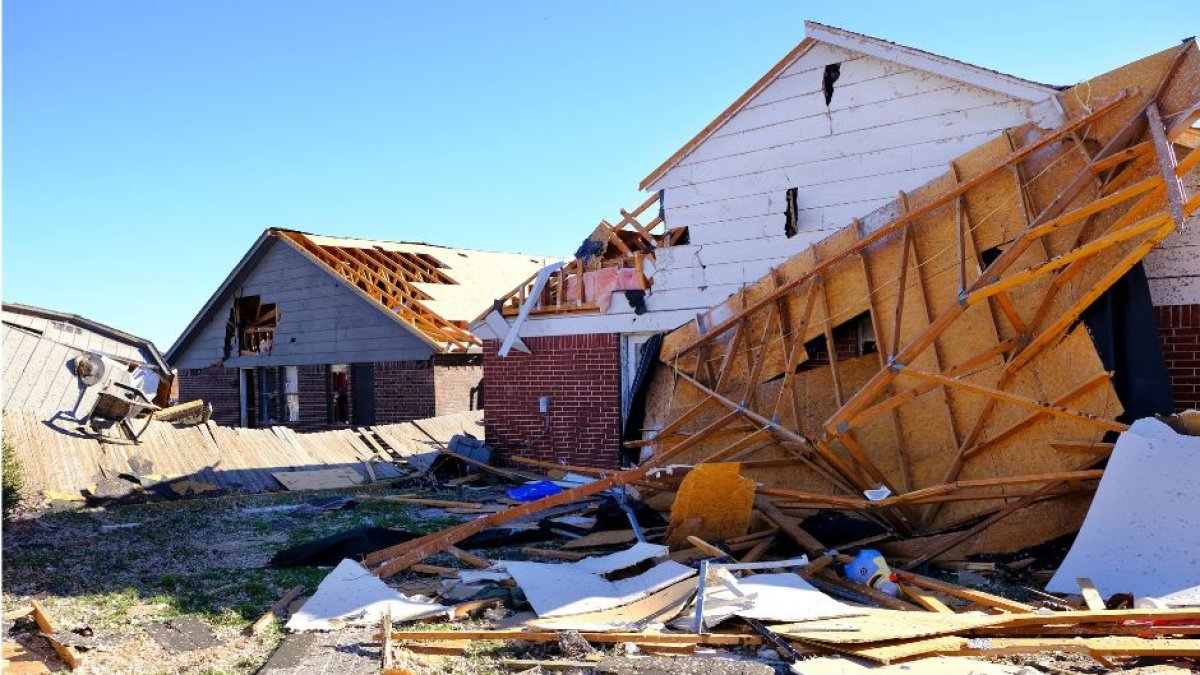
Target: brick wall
x,y
1179,331
456,382
314,405
216,385
403,391
581,375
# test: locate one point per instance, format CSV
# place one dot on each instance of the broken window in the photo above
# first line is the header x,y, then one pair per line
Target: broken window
x,y
339,394
269,380
291,393
791,213
254,324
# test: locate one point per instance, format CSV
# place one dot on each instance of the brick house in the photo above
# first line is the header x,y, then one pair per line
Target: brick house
x,y
829,134
311,331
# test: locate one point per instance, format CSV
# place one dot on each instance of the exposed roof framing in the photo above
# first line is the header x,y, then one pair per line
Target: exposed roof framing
x,y
872,46
433,291
388,277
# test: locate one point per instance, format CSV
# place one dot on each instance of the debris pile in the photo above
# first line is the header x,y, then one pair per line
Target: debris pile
x,y
978,425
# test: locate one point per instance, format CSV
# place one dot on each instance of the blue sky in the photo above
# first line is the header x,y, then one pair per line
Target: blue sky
x,y
147,144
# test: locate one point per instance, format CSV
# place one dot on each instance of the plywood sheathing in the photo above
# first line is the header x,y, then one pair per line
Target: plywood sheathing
x,y
974,283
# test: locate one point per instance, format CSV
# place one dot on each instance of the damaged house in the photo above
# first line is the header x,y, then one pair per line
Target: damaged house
x,y
843,125
312,332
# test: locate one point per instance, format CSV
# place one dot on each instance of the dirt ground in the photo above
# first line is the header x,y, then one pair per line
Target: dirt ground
x,y
206,559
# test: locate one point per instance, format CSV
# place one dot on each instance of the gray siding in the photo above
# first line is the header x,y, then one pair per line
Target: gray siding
x,y
321,320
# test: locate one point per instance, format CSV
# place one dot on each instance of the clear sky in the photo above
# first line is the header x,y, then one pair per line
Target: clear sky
x,y
147,144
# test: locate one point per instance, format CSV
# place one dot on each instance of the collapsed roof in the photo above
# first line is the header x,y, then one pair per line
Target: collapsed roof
x,y
985,397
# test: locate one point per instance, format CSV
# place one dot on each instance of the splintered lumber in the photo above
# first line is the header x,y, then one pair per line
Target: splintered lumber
x,y
552,554
1091,596
421,501
275,610
986,404
469,558
979,597
389,561
66,652
465,609
788,526
182,411
714,639
925,599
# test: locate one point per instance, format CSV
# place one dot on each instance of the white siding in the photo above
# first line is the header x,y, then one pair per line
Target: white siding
x,y
1172,267
888,128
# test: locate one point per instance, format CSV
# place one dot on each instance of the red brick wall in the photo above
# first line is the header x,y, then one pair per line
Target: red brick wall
x,y
314,406
581,375
216,385
456,380
1179,330
403,391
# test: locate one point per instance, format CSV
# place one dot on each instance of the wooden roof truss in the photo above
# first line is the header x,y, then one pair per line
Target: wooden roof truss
x,y
389,277
986,397
631,242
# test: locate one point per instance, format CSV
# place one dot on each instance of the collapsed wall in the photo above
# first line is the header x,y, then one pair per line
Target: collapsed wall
x,y
984,405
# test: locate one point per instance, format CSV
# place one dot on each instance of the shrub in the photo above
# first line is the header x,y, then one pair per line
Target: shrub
x,y
13,481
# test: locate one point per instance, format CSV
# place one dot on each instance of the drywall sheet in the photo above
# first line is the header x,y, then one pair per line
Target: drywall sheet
x,y
562,590
656,608
351,594
1142,534
769,597
603,564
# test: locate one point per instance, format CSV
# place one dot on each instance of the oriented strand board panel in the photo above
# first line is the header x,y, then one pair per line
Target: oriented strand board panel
x,y
972,287
876,625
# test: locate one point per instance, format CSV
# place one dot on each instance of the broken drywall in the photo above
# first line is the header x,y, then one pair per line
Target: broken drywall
x,y
769,597
575,588
352,595
1142,534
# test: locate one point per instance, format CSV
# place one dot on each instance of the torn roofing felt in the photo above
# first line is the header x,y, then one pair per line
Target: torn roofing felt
x,y
433,291
985,398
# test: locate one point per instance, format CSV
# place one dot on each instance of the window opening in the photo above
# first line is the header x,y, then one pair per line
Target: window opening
x,y
339,394
291,393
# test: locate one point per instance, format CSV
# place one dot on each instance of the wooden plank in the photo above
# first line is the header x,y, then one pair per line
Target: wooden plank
x,y
321,479
46,626
980,597
726,639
